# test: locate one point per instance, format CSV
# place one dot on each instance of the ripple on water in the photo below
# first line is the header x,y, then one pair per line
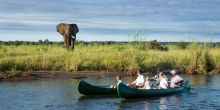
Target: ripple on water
x,y
63,94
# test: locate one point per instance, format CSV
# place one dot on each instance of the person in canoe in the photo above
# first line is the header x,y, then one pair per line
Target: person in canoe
x,y
139,82
147,83
118,78
156,77
163,84
176,80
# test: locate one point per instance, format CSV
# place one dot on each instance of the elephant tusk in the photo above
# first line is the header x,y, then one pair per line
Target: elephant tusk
x,y
73,36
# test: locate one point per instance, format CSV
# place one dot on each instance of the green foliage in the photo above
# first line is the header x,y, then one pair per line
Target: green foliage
x,y
112,57
181,45
201,58
154,45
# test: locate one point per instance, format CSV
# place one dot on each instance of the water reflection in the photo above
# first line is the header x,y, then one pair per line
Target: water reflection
x,y
88,97
63,94
198,79
131,104
163,103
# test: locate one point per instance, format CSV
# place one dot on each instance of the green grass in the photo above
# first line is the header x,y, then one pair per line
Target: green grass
x,y
115,57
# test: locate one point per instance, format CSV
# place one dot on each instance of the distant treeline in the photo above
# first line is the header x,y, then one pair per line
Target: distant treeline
x,y
47,42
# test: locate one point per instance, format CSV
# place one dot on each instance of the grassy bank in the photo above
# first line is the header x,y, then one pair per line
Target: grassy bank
x,y
114,57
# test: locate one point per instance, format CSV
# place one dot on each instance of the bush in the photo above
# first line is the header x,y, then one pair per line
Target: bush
x,y
181,45
201,60
154,45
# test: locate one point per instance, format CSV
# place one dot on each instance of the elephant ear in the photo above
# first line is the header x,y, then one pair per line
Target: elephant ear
x,y
61,28
74,28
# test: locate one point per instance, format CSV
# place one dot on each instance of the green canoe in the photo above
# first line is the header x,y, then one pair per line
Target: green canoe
x,y
88,89
127,92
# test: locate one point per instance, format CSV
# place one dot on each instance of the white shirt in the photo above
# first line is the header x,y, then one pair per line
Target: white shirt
x,y
147,85
120,81
140,80
156,77
175,80
163,84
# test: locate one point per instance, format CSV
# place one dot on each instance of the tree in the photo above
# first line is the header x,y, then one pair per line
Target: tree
x,y
46,41
40,42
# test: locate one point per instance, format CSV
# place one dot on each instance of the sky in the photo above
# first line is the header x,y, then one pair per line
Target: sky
x,y
111,20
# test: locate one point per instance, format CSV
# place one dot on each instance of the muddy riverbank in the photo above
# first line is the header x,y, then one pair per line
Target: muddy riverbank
x,y
46,75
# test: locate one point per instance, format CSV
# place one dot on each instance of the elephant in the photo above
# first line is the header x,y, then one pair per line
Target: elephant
x,y
68,31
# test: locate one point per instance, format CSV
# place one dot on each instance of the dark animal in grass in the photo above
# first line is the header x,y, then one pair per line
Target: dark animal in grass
x,y
68,31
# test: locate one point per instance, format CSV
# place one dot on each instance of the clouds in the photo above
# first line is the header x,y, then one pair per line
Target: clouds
x,y
169,9
112,17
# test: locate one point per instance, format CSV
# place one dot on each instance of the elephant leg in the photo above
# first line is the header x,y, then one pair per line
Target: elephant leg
x,y
70,43
73,43
65,41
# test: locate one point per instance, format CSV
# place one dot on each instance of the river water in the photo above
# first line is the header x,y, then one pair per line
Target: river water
x,y
62,94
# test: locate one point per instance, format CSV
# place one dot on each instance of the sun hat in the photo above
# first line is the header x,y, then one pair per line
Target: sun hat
x,y
173,72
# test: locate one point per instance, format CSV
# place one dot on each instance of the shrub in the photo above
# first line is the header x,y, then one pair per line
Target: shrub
x,y
181,45
154,45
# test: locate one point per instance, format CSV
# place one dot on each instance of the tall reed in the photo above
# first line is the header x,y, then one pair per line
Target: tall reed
x,y
114,57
